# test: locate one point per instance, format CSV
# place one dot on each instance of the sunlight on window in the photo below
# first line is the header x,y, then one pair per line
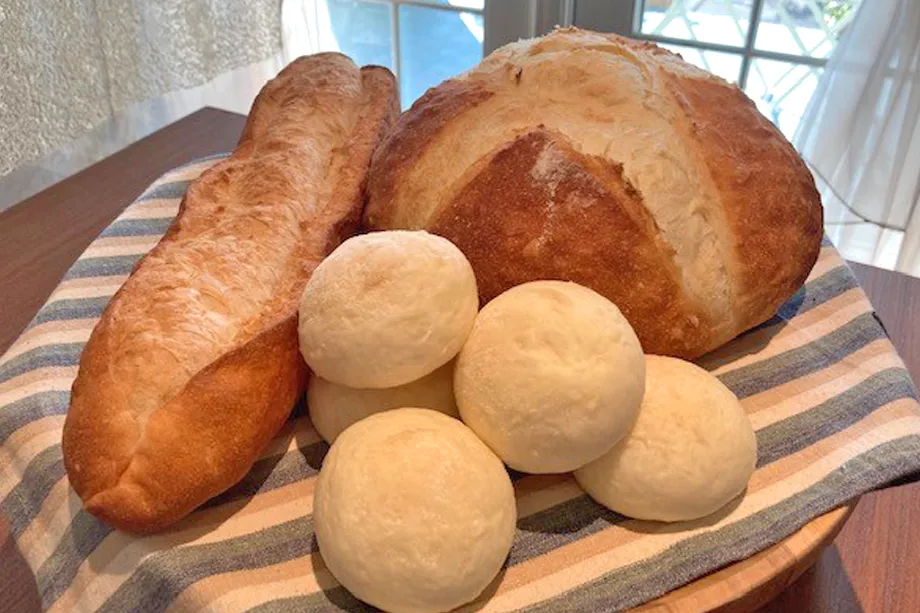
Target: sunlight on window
x,y
792,40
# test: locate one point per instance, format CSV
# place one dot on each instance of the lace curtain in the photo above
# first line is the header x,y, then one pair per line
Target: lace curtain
x,y
84,78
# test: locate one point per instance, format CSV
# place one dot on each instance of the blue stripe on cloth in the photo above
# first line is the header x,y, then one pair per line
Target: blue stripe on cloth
x,y
41,357
31,408
796,363
172,190
138,227
58,571
834,415
72,308
102,266
24,501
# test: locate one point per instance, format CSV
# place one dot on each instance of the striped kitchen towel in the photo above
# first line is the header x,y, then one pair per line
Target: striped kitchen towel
x,y
835,412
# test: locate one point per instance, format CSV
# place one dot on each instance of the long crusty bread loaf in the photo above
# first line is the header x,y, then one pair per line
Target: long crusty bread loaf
x,y
611,162
194,365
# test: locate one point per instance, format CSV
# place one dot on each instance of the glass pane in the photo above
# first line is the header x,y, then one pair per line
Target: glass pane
x,y
435,44
803,27
362,31
782,91
725,65
714,21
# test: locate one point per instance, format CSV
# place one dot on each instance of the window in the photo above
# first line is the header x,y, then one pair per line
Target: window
x,y
422,41
774,50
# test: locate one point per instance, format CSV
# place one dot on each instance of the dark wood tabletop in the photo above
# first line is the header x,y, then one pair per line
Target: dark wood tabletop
x,y
872,567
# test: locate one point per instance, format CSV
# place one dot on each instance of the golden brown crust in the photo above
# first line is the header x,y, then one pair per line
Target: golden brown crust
x,y
769,198
206,438
736,215
540,237
194,365
405,143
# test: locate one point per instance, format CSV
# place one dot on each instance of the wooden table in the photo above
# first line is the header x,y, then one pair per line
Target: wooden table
x,y
872,567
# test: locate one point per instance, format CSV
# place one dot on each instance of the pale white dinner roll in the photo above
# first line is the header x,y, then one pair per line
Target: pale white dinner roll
x,y
412,512
551,376
387,308
334,407
691,451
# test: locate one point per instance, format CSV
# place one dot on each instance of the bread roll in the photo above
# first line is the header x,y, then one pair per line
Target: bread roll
x,y
550,377
334,407
691,451
610,162
387,308
194,365
412,512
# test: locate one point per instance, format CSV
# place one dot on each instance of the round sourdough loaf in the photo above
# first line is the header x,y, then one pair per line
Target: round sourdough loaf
x,y
594,158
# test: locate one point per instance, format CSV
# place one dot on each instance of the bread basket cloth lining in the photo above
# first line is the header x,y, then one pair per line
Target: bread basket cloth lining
x,y
835,411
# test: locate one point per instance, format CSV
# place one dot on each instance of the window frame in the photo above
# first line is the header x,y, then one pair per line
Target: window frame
x,y
509,20
625,17
506,21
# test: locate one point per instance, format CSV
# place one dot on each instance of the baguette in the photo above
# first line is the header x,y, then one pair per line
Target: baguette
x,y
194,365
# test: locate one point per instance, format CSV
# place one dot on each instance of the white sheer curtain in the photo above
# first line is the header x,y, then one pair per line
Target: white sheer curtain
x,y
305,28
861,137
